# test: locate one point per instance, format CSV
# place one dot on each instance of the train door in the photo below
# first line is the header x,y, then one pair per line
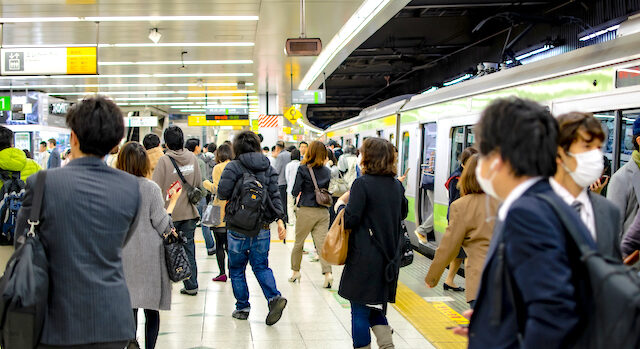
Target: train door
x,y
461,138
357,141
608,121
427,179
342,142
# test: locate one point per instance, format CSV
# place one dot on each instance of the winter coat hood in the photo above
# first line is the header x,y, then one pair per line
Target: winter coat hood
x,y
255,162
12,159
182,156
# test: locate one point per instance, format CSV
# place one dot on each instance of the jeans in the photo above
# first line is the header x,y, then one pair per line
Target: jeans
x,y
188,228
362,319
206,231
255,250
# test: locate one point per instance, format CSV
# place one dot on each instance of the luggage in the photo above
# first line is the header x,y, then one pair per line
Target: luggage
x,y
245,211
336,244
194,194
407,248
323,197
24,287
11,194
338,186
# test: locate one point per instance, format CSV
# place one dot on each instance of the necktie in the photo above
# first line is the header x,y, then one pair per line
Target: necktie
x,y
577,205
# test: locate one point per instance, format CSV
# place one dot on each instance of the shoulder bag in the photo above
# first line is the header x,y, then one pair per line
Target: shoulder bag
x,y
175,255
336,244
338,185
323,197
24,287
194,194
211,214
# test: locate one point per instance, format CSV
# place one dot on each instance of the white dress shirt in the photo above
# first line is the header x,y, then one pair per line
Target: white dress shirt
x,y
515,194
586,210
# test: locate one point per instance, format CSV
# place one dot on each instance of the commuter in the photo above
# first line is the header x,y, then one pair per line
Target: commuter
x,y
54,156
539,304
332,164
580,165
151,143
290,174
291,148
88,214
185,215
336,148
112,157
13,159
272,156
310,216
469,229
348,165
209,158
143,256
631,241
66,158
621,191
375,207
255,250
224,155
193,145
265,151
303,148
43,155
283,157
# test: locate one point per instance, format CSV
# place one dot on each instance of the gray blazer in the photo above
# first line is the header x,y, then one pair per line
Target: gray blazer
x,y
624,191
87,215
608,226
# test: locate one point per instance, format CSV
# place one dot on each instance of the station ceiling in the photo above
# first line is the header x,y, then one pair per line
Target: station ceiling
x,y
432,41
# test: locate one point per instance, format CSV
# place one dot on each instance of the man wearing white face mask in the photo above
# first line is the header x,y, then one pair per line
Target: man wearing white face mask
x,y
580,164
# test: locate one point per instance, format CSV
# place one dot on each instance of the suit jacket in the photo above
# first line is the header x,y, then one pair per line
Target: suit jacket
x,y
87,215
608,226
624,191
54,159
468,228
547,278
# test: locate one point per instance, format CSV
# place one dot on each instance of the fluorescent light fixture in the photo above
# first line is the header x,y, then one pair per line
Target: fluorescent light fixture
x,y
178,75
433,88
162,103
191,110
363,15
458,80
149,99
126,19
219,84
223,98
14,87
600,32
534,52
212,92
164,44
230,61
213,84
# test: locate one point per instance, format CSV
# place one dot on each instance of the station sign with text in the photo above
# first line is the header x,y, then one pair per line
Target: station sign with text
x,y
49,61
309,97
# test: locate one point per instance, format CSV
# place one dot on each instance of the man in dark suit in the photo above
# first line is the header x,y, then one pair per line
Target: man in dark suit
x,y
580,165
530,293
54,156
88,214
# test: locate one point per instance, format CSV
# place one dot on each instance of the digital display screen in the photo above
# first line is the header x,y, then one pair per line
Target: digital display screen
x,y
227,117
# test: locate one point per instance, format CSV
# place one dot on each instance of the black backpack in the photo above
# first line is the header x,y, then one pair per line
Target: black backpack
x,y
11,194
246,210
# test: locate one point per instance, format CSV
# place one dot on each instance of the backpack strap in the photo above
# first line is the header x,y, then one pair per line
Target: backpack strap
x,y
36,205
175,165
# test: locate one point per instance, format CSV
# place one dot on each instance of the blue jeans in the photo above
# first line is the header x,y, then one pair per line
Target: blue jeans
x,y
255,250
362,319
206,231
188,228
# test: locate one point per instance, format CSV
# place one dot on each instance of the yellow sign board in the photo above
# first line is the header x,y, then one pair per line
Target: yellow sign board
x,y
287,130
255,125
292,114
201,120
82,60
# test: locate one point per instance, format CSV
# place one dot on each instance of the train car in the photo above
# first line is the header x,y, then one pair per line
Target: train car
x,y
434,128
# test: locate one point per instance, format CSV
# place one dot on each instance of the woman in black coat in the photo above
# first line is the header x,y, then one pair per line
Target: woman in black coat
x,y
375,207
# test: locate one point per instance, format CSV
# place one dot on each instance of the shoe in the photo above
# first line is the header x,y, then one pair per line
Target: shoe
x,y
220,278
421,238
241,314
451,288
328,280
189,292
384,336
313,257
211,251
295,277
276,306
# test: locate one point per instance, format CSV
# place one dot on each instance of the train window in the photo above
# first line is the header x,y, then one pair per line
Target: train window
x,y
626,139
405,152
357,141
608,121
427,179
457,145
628,77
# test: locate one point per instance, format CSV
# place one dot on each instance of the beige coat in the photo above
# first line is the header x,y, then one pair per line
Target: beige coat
x,y
213,188
468,227
154,155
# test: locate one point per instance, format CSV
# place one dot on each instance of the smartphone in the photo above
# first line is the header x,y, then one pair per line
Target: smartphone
x,y
173,189
603,179
452,327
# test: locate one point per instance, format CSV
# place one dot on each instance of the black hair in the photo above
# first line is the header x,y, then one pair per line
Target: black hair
x,y
6,138
305,143
211,147
151,141
295,154
280,144
261,137
224,153
291,148
523,132
43,143
27,153
246,142
191,144
98,124
265,148
273,148
227,142
173,137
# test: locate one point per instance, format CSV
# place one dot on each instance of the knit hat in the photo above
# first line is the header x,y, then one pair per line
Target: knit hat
x,y
636,128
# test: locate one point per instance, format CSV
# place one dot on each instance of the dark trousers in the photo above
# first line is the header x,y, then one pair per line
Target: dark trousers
x,y
188,228
362,319
110,345
151,326
283,196
221,247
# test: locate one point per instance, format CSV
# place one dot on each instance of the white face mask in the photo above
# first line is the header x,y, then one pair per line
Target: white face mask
x,y
487,184
589,167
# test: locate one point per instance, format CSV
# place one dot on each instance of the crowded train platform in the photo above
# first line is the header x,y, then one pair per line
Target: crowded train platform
x,y
319,174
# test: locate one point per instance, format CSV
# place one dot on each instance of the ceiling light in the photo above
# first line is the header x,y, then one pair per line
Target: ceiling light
x,y
230,61
166,44
126,19
217,84
154,35
458,80
191,110
185,104
534,52
180,75
600,32
432,89
148,92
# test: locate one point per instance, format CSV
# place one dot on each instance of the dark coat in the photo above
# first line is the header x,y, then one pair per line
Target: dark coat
x,y
87,215
377,203
267,175
608,226
549,281
54,159
304,184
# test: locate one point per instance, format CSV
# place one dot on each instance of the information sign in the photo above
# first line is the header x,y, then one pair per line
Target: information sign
x,y
227,117
141,121
292,114
227,111
49,60
202,120
5,103
309,97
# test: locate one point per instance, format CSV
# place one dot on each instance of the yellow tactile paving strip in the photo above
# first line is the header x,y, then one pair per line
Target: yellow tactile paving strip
x,y
431,321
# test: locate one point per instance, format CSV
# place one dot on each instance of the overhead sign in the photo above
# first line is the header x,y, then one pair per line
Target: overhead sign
x,y
309,97
59,108
49,60
5,103
227,117
292,114
141,121
227,111
202,120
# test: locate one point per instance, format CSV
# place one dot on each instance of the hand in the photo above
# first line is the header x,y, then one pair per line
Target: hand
x,y
599,185
345,197
464,331
173,199
402,178
282,230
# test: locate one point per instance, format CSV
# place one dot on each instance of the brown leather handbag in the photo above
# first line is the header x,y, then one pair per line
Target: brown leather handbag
x,y
336,244
323,196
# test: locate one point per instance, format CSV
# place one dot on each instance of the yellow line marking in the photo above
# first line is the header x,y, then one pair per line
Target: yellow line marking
x,y
430,319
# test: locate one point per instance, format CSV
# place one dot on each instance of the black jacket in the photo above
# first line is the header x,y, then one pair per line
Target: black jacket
x,y
305,185
376,203
261,167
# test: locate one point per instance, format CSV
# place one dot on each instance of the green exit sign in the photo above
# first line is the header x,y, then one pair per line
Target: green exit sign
x,y
5,103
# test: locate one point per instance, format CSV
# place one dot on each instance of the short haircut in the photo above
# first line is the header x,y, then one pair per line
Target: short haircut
x,y
569,124
261,137
316,155
246,142
54,142
466,154
291,148
191,144
211,147
332,157
151,141
265,148
133,158
468,182
98,124
280,144
305,143
27,153
6,138
295,154
523,132
224,153
173,137
379,157
273,148
227,142
43,143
